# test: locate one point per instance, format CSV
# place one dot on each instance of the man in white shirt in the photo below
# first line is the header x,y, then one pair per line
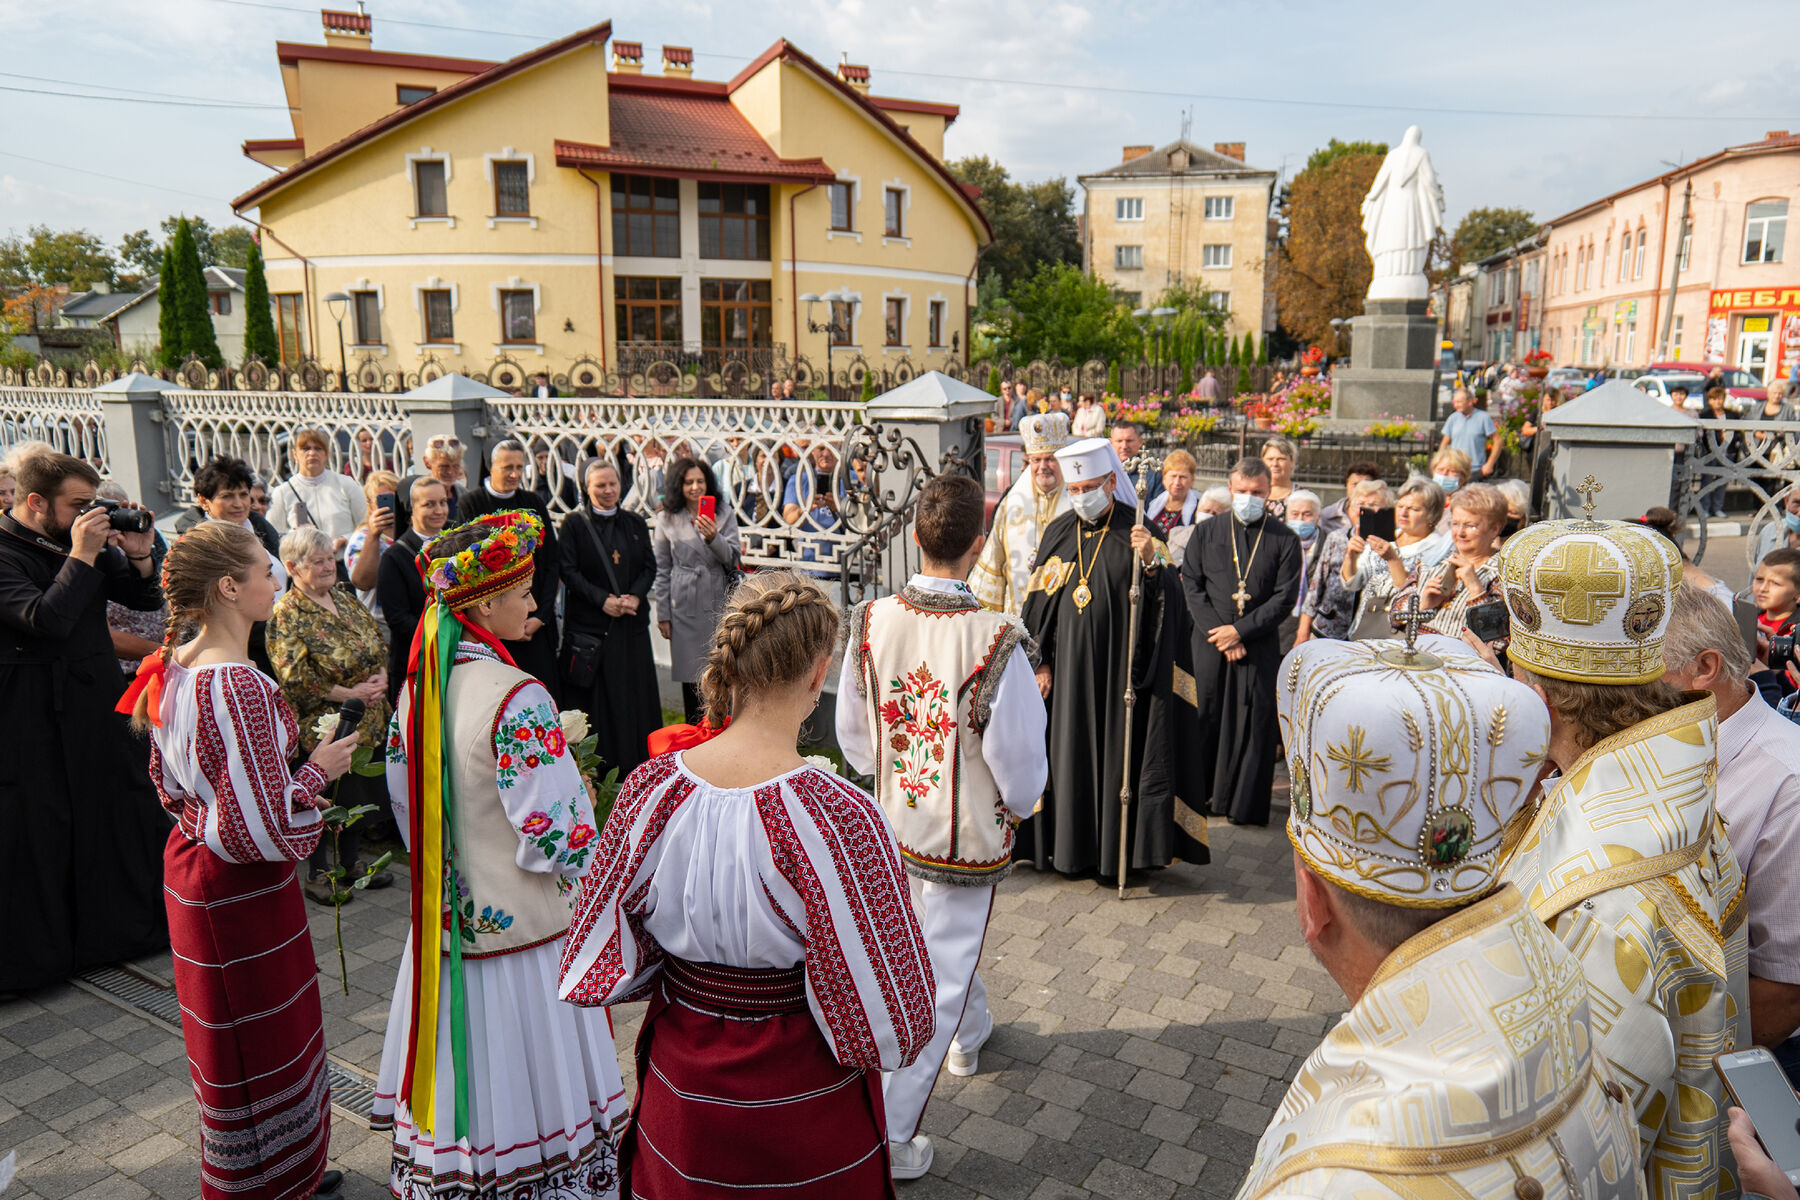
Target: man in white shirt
x,y
1759,797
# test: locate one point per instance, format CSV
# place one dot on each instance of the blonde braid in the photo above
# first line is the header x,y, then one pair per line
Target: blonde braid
x,y
775,627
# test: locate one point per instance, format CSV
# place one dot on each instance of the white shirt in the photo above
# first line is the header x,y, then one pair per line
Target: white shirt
x,y
1012,746
336,503
1759,797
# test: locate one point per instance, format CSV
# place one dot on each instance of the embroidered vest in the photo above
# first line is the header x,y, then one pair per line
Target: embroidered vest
x,y
504,908
928,664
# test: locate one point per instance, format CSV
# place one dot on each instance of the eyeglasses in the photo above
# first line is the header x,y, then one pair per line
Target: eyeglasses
x,y
444,442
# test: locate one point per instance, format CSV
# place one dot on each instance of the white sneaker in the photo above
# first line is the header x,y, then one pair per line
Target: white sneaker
x,y
910,1159
967,1062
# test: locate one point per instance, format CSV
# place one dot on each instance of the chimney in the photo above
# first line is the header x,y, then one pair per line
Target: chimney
x,y
100,287
628,58
1776,133
1132,152
854,75
678,62
352,30
1229,150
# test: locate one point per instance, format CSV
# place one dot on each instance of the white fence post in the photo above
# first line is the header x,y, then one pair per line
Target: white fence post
x,y
136,453
450,406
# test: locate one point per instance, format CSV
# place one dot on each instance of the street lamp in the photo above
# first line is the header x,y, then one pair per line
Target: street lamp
x,y
832,328
336,303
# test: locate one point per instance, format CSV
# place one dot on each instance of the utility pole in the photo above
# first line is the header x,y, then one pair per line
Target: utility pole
x,y
1681,232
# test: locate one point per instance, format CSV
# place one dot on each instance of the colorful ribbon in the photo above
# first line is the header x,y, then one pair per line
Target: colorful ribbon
x,y
150,675
671,738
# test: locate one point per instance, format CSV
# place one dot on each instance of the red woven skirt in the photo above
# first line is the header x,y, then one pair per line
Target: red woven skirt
x,y
739,1096
249,993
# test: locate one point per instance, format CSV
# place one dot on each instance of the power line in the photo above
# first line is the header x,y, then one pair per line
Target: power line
x,y
114,178
541,37
7,87
108,87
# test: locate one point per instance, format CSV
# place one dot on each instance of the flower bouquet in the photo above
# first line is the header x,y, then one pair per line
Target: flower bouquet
x,y
584,743
1310,360
336,819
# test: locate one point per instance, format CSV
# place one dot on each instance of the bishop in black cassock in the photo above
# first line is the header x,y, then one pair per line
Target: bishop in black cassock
x,y
1241,578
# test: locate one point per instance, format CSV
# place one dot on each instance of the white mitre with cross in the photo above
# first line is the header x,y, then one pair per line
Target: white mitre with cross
x,y
1095,458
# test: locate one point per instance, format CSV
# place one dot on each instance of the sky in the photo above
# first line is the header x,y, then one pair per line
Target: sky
x,y
1537,105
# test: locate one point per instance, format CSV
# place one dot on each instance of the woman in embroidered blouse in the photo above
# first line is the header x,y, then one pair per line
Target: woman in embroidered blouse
x,y
1476,514
326,648
759,905
1280,456
1377,567
220,740
491,1085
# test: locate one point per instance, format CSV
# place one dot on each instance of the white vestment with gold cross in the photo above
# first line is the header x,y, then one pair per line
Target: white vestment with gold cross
x,y
1002,574
1628,863
1467,1069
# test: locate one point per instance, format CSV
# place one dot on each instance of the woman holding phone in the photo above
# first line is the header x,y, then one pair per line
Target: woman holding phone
x,y
1467,578
697,548
363,551
1379,566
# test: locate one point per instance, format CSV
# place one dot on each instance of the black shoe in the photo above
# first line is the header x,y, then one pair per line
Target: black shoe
x,y
378,881
329,1182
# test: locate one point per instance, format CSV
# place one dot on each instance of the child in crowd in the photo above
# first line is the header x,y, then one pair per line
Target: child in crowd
x,y
1775,591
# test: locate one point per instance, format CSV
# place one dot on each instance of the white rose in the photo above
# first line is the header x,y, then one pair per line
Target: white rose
x,y
325,726
575,725
820,761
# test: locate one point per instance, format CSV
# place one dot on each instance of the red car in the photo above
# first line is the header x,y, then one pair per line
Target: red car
x,y
1740,385
1005,466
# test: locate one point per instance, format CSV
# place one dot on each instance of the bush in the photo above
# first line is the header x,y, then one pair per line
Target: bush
x,y
868,388
993,382
1112,377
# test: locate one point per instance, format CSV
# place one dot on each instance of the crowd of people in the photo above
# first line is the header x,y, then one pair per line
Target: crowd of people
x,y
1541,797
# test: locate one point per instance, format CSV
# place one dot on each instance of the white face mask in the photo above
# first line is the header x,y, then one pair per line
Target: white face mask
x,y
1089,505
1448,482
1247,508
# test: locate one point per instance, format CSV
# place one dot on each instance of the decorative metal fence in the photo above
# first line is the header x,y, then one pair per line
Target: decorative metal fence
x,y
67,418
1135,379
1747,464
258,427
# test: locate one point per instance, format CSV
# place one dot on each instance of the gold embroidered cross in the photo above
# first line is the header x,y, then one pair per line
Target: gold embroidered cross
x,y
1581,582
1589,488
1357,760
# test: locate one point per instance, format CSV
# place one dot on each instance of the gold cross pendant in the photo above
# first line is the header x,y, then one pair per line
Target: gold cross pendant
x,y
615,558
1242,596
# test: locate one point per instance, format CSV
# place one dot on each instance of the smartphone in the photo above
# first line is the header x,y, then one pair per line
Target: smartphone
x,y
1758,1086
709,508
1489,622
1447,578
387,500
1377,523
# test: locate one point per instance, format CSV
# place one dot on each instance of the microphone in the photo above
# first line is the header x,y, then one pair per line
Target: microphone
x,y
350,715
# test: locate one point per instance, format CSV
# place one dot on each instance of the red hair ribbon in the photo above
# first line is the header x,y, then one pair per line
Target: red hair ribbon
x,y
671,738
149,681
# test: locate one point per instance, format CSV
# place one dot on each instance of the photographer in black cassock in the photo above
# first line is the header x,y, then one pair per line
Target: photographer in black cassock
x,y
81,833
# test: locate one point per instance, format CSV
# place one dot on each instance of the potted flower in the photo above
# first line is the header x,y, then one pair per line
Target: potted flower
x,y
1393,429
1537,364
1309,361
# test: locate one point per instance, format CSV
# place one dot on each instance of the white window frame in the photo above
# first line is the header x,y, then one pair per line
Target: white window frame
x,y
1220,299
1121,204
515,284
1686,253
1626,246
427,154
434,284
904,345
854,233
508,154
905,238
1765,222
854,300
1119,256
1675,332
1606,260
1229,203
363,285
933,301
1638,255
1208,251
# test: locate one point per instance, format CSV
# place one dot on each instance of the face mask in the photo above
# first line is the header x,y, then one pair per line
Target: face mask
x,y
1448,482
1089,505
1303,529
1792,521
1247,508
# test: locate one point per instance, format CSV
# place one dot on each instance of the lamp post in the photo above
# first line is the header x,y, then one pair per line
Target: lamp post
x,y
336,303
831,328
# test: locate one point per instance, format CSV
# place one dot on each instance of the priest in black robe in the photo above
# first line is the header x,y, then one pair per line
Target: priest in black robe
x,y
504,490
608,568
81,831
1241,575
1078,610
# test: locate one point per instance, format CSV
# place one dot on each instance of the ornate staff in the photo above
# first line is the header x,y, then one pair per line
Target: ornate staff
x,y
1144,463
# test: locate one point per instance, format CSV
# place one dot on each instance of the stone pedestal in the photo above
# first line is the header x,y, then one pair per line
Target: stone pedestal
x,y
1393,363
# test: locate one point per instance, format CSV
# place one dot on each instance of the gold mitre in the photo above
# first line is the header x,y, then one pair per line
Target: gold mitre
x,y
1406,766
1589,600
1045,433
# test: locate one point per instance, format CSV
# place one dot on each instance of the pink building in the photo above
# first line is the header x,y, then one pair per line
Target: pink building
x,y
1736,297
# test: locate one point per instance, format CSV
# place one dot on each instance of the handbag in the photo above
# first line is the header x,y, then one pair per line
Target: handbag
x,y
581,659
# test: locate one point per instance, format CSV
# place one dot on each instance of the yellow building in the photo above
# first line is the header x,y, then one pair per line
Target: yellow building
x,y
555,211
1180,214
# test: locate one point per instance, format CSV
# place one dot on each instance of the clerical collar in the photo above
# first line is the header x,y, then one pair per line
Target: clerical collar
x,y
605,512
498,495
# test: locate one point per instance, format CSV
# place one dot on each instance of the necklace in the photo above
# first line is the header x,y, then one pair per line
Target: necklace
x,y
1242,595
1083,595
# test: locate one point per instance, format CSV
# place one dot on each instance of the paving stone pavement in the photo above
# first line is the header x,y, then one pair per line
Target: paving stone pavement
x,y
1139,1046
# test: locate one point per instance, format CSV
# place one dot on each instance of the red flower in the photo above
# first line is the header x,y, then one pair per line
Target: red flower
x,y
531,760
580,836
554,741
446,920
890,713
522,734
495,557
504,761
536,823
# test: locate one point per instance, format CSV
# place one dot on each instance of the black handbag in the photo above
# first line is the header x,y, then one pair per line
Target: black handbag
x,y
581,659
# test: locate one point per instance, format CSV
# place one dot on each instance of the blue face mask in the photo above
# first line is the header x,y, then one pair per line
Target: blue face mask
x,y
1303,529
1792,521
1448,482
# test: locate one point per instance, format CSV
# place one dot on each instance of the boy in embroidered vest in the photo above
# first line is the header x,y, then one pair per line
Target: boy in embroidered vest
x,y
938,702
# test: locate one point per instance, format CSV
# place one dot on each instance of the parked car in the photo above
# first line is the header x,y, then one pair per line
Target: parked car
x,y
1005,466
1570,381
1744,388
1657,384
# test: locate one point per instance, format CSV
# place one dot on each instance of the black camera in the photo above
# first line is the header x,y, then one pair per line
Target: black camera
x,y
132,520
1781,649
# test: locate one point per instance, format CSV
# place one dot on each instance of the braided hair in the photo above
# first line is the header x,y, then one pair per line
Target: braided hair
x,y
201,557
774,628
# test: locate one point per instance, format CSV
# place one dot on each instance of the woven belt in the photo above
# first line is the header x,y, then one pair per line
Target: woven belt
x,y
735,991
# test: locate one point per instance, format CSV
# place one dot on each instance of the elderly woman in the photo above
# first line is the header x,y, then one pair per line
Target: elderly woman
x,y
1090,417
373,537
1179,502
1279,455
1467,577
695,560
1450,469
1378,568
326,649
332,503
608,569
1518,506
1328,605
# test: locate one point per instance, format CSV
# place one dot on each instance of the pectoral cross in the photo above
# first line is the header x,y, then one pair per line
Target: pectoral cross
x,y
1589,488
1242,596
615,558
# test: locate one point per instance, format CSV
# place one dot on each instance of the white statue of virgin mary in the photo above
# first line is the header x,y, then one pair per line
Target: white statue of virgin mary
x,y
1401,214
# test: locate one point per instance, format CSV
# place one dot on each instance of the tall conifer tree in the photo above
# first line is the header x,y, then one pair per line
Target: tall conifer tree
x,y
192,309
173,347
259,324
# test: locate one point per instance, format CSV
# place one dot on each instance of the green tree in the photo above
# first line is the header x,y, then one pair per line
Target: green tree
x,y
1323,270
1333,150
993,383
73,258
1486,231
173,346
868,388
1250,347
1262,351
1112,377
1034,223
1063,312
199,229
192,310
140,255
259,323
231,246
1232,356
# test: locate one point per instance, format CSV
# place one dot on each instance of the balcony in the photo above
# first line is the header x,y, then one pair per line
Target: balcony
x,y
675,369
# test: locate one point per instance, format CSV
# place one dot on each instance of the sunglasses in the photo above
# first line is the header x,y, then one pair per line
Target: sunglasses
x,y
442,442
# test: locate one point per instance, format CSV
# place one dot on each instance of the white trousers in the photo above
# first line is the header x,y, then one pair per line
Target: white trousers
x,y
954,921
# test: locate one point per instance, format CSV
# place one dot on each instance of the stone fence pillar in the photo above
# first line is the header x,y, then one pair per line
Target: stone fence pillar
x,y
1626,440
450,406
137,452
942,415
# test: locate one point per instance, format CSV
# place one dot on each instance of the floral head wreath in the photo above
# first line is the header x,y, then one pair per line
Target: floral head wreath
x,y
485,568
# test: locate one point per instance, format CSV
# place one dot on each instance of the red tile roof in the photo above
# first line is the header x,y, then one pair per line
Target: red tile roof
x,y
664,132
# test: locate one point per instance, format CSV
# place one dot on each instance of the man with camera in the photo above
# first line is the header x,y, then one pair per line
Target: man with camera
x,y
81,832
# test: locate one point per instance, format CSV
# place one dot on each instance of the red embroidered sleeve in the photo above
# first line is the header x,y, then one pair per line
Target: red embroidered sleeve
x,y
253,731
